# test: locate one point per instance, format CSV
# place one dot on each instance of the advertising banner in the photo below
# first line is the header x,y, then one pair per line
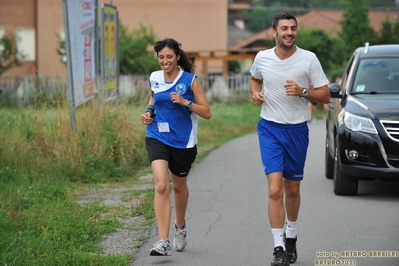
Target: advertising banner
x,y
109,55
80,28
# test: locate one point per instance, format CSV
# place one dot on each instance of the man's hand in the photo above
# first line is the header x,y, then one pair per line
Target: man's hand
x,y
258,98
293,89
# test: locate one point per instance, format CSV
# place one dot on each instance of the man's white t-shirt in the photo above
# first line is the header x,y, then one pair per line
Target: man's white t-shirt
x,y
303,67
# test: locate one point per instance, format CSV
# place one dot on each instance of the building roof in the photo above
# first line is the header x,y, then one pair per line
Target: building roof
x,y
236,35
326,20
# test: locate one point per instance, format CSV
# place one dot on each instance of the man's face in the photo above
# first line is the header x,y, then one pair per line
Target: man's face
x,y
285,34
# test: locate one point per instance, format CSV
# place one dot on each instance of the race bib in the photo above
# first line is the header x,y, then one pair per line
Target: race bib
x,y
163,127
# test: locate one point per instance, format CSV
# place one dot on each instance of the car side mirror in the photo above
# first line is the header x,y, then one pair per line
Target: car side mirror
x,y
334,90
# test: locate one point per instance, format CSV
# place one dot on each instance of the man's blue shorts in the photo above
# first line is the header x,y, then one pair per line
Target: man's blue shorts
x,y
283,148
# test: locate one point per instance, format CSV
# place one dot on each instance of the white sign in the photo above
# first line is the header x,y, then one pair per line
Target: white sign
x,y
81,28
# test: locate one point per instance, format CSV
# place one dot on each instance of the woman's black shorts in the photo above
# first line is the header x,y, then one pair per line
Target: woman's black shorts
x,y
180,160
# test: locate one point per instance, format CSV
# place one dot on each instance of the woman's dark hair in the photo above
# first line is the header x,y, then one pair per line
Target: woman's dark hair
x,y
280,16
184,62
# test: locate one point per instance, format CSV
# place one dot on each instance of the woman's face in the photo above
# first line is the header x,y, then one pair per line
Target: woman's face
x,y
167,59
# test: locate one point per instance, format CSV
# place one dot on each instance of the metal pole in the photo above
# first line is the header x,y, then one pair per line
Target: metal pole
x,y
69,67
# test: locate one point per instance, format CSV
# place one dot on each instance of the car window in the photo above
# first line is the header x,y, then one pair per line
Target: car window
x,y
346,74
377,75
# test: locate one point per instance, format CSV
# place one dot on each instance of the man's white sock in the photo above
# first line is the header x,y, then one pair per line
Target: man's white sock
x,y
291,229
278,237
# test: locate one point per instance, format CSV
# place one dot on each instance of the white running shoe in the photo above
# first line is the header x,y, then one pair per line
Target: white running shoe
x,y
161,248
180,242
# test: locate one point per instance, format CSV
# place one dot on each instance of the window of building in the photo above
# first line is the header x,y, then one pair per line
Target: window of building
x,y
62,34
62,50
2,31
26,43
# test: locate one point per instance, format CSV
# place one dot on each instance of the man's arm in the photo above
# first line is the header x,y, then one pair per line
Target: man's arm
x,y
255,87
319,95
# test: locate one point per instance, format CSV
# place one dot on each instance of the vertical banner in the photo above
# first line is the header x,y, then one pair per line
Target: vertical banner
x,y
110,51
81,31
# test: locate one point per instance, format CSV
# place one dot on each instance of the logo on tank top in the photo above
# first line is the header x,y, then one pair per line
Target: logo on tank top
x,y
181,88
156,85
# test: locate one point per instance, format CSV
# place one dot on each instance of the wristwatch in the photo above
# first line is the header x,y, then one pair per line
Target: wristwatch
x,y
189,104
305,93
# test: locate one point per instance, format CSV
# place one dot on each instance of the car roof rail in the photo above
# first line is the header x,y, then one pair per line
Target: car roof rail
x,y
366,47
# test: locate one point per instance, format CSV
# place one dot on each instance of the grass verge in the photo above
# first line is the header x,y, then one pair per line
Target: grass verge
x,y
45,168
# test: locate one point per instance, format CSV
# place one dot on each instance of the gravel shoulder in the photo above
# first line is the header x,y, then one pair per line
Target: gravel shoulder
x,y
133,231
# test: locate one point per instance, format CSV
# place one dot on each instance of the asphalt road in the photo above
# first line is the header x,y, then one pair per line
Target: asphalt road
x,y
228,224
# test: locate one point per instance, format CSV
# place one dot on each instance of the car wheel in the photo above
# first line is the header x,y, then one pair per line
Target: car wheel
x,y
343,185
328,162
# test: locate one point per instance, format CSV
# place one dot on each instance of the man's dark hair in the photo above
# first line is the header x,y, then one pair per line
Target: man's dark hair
x,y
280,16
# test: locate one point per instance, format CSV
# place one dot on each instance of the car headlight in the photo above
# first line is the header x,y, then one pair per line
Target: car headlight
x,y
358,123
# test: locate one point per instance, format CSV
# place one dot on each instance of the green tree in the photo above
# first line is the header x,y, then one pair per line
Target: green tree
x,y
356,29
61,49
388,34
381,3
260,17
136,56
327,48
234,66
9,54
396,29
322,3
326,4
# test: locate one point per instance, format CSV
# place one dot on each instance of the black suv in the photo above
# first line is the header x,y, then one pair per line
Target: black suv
x,y
362,124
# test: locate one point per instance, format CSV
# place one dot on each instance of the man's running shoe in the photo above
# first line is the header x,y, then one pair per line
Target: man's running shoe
x,y
290,247
161,248
279,257
180,242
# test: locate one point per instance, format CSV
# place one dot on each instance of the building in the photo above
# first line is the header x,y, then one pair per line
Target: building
x,y
201,27
328,20
325,20
211,31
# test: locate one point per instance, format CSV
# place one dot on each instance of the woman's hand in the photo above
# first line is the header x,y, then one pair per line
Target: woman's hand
x,y
176,98
146,118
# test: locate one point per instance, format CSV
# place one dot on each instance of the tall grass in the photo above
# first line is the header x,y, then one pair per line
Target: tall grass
x,y
42,141
42,162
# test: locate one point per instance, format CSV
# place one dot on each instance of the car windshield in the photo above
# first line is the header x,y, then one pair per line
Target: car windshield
x,y
377,75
